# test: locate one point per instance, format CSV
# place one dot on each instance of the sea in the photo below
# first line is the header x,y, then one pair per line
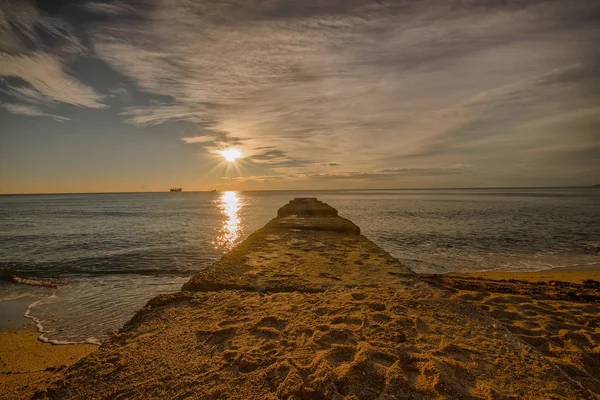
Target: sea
x,y
105,255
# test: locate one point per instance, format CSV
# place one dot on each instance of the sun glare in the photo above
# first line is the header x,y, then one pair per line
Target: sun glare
x,y
231,154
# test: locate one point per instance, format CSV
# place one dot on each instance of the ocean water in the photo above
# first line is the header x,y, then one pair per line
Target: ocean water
x,y
111,253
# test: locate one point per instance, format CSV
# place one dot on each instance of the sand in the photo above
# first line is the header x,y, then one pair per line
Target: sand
x,y
301,313
414,343
28,365
566,274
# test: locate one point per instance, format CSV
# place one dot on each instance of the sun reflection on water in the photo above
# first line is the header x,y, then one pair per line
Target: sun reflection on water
x,y
229,204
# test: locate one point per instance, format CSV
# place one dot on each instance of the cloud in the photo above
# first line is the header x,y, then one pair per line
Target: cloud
x,y
366,83
387,174
122,94
23,27
388,90
198,139
111,9
48,81
24,109
34,48
391,173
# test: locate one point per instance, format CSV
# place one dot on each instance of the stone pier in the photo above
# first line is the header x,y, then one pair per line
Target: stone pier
x,y
307,248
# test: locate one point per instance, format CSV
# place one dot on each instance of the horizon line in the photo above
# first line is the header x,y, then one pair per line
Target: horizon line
x,y
311,190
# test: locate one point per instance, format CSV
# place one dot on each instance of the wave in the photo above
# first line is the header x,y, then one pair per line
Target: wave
x,y
43,282
40,328
165,262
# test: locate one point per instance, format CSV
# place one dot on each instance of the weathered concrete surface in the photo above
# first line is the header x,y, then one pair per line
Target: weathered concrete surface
x,y
326,314
311,250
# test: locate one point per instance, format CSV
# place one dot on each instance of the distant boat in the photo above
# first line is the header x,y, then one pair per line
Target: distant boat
x,y
174,189
214,191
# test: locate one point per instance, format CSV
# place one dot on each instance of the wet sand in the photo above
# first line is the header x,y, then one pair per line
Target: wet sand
x,y
28,365
12,313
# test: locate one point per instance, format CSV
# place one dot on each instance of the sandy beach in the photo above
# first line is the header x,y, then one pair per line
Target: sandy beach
x,y
567,274
28,365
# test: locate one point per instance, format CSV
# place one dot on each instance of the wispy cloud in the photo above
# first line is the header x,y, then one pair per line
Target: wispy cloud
x,y
48,81
387,176
33,50
109,9
23,26
351,81
24,109
391,173
198,139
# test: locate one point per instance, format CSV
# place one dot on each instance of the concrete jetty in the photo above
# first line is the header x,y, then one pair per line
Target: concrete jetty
x,y
308,308
307,248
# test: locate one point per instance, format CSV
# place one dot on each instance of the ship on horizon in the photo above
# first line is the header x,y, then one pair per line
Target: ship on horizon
x,y
175,189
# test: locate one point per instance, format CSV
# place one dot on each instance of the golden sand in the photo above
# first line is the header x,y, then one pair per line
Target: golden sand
x,y
379,343
574,275
28,365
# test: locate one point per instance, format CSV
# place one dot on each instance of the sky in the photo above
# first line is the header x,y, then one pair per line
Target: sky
x,y
142,95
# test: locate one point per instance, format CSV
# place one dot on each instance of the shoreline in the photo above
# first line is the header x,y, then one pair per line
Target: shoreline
x,y
28,362
15,312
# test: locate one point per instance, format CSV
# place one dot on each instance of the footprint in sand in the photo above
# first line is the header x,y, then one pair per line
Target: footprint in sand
x,y
358,296
348,321
335,336
271,322
381,317
216,337
421,326
339,354
377,306
269,328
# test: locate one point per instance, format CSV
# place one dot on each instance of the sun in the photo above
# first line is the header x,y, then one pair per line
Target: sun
x,y
231,154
